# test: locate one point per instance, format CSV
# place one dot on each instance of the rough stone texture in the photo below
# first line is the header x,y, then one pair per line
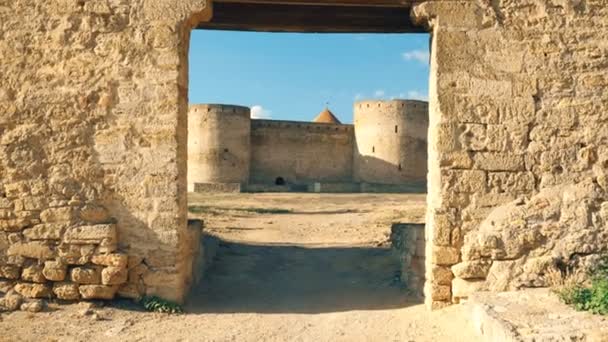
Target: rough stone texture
x,y
10,272
66,291
97,291
115,260
93,135
85,275
10,302
408,244
31,290
113,275
532,315
33,273
36,305
94,114
54,270
517,156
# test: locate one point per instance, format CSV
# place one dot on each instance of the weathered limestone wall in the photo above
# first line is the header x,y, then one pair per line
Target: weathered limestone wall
x,y
390,140
300,152
408,244
518,141
218,144
93,128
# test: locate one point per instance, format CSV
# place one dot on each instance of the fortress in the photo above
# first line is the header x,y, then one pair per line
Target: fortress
x,y
229,151
94,129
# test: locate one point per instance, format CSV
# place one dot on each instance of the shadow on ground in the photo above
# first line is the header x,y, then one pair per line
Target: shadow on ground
x,y
247,278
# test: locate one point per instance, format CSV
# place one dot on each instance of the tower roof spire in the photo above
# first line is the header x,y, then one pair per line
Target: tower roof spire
x,y
326,116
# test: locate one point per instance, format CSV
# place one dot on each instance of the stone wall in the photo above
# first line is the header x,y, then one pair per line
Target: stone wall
x,y
218,144
300,152
391,145
517,145
93,132
93,104
408,244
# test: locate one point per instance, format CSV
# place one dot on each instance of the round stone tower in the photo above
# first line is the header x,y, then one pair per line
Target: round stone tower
x,y
218,144
391,141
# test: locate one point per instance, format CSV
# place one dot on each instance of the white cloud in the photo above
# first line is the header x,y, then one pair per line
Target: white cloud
x,y
379,93
358,97
421,56
417,95
259,112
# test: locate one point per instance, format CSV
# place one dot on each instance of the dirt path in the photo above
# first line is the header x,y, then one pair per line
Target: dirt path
x,y
288,267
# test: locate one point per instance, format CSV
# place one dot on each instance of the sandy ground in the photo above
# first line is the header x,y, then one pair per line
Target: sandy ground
x,y
288,267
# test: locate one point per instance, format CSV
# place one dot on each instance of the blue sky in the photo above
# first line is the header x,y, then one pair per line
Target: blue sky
x,y
289,76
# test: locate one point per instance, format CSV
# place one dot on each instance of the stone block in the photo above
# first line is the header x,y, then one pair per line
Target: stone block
x,y
512,182
100,7
11,302
76,254
6,285
47,231
30,203
93,234
10,272
477,269
441,275
34,250
14,225
465,108
509,138
441,292
445,256
438,305
467,181
472,137
491,200
447,137
85,275
115,259
4,240
94,214
61,215
456,160
33,273
495,161
442,228
517,110
66,291
31,290
97,291
54,270
33,306
113,275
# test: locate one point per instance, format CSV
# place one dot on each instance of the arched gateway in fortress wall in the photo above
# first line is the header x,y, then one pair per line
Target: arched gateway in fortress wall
x,y
93,137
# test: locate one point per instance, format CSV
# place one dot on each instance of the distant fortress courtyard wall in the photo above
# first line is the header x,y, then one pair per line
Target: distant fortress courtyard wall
x,y
300,152
391,141
218,144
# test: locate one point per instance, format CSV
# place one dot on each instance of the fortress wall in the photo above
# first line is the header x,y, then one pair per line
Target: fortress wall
x,y
391,141
93,105
93,144
300,152
218,144
518,156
